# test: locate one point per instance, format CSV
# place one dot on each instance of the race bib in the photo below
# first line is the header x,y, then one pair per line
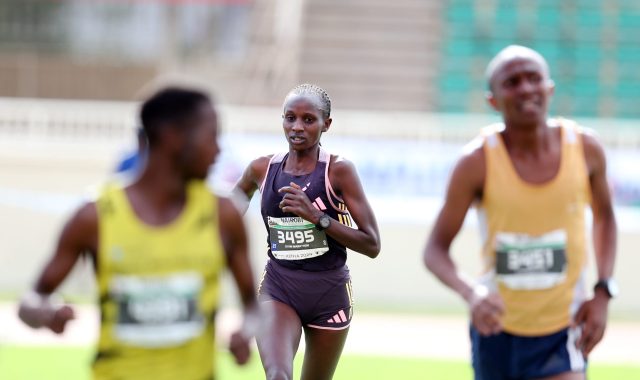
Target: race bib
x,y
527,263
158,311
294,238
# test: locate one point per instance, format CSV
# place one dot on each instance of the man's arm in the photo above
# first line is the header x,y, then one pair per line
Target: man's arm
x,y
465,186
38,308
234,240
592,315
604,221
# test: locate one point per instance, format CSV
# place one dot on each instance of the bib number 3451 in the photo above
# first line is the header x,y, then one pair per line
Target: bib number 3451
x,y
531,262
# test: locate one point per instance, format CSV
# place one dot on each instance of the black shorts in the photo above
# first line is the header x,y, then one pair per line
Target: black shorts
x,y
322,300
505,356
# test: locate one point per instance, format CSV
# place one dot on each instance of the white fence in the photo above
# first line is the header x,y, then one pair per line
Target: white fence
x,y
67,120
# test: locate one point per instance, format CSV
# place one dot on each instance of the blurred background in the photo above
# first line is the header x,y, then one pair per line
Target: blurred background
x,y
406,78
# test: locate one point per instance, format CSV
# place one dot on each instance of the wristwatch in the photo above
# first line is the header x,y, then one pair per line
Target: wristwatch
x,y
608,285
324,222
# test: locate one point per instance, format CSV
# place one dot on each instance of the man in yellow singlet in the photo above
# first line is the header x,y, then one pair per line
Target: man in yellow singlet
x,y
159,246
531,179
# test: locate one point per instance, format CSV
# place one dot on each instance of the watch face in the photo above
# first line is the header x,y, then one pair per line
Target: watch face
x,y
324,221
612,288
609,286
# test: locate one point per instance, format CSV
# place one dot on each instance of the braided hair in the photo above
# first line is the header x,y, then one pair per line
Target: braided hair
x,y
321,94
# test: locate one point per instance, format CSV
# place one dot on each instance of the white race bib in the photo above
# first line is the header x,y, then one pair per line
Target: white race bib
x,y
157,311
294,238
527,263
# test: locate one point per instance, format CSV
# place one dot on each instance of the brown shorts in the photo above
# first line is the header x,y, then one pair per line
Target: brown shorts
x,y
322,300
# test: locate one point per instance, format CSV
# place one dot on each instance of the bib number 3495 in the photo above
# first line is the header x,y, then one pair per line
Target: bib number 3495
x,y
294,238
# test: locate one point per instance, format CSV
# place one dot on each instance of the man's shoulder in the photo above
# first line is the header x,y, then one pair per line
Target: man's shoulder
x,y
570,124
588,136
492,129
488,136
471,163
474,149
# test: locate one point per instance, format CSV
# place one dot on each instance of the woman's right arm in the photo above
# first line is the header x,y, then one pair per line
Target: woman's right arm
x,y
249,182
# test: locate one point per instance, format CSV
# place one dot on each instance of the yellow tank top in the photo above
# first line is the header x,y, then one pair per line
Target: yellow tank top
x,y
534,243
159,289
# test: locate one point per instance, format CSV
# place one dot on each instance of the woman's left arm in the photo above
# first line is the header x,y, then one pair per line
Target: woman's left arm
x,y
365,239
344,179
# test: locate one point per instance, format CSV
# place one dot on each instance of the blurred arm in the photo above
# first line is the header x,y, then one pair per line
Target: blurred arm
x,y
592,315
38,308
464,187
234,240
604,222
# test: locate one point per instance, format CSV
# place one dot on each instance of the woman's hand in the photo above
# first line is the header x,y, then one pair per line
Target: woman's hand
x,y
295,201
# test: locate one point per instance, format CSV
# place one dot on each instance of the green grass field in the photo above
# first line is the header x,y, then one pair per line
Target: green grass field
x,y
27,363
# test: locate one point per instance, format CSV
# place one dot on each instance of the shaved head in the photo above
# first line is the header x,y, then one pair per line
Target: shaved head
x,y
510,53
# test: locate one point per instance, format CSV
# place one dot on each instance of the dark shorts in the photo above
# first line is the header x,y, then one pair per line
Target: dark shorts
x,y
511,357
322,300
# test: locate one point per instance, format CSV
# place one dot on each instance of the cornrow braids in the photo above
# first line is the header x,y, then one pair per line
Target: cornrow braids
x,y
321,94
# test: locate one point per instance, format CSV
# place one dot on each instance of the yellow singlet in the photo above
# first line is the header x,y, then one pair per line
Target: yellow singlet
x,y
159,289
534,235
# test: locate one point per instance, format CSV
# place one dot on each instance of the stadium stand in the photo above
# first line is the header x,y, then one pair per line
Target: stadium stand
x,y
405,55
593,49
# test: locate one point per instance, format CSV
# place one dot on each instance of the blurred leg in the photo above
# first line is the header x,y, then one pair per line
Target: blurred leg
x,y
279,341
